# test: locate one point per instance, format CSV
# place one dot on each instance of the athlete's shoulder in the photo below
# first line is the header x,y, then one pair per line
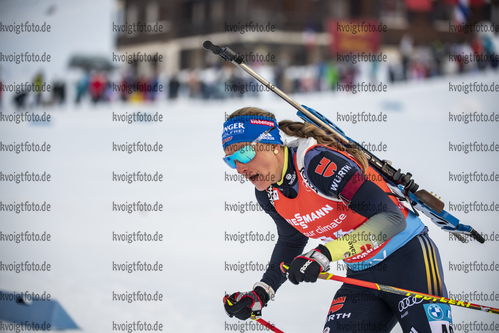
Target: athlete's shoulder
x,y
328,170
327,152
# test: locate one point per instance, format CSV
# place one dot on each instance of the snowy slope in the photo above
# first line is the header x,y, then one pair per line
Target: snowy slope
x,y
196,190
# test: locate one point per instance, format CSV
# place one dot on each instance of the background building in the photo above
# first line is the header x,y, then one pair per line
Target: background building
x,y
294,24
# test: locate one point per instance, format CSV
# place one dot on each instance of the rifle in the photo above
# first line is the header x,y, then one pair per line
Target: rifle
x,y
401,183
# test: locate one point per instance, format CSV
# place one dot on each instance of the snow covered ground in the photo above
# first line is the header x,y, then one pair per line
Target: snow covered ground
x,y
197,193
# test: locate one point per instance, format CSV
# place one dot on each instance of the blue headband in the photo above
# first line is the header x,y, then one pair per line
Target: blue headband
x,y
248,128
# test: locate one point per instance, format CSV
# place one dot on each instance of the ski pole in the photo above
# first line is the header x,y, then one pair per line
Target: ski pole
x,y
256,317
403,292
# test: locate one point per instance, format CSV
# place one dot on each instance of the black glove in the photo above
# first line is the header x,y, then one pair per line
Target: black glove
x,y
308,266
242,304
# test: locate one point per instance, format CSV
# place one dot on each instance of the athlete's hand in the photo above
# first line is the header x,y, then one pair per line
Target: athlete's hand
x,y
242,304
308,266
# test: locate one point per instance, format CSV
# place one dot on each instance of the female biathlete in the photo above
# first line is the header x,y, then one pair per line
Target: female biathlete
x,y
315,187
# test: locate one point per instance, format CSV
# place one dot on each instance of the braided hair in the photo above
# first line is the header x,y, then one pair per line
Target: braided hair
x,y
306,130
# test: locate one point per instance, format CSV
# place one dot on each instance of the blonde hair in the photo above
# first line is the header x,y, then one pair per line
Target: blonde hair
x,y
306,130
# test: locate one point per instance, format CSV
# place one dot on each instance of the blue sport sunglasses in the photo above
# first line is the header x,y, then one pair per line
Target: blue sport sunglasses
x,y
245,153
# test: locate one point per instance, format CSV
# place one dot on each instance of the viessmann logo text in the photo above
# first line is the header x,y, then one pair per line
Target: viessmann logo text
x,y
302,220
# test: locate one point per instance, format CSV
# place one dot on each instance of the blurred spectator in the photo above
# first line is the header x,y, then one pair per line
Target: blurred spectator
x,y
332,75
173,87
38,84
479,51
406,49
20,100
82,87
127,80
490,49
194,84
417,62
59,92
439,52
98,87
153,93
